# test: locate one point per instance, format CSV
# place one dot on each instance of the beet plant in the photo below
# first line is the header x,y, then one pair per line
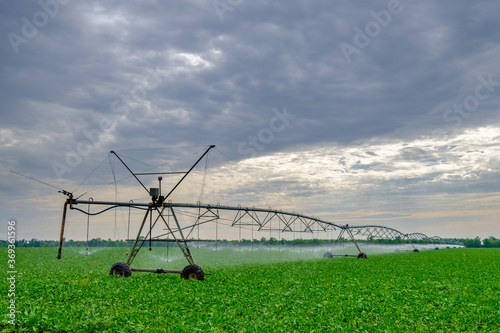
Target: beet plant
x,y
451,290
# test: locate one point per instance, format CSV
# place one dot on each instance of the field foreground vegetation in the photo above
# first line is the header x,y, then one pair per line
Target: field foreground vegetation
x,y
450,290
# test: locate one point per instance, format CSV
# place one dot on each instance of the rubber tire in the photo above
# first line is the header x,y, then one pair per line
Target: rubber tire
x,y
362,255
193,272
416,250
120,269
328,255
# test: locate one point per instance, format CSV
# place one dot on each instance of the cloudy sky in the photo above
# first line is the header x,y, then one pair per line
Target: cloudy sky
x,y
361,112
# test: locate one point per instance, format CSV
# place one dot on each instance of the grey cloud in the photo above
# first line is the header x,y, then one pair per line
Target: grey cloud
x,y
220,80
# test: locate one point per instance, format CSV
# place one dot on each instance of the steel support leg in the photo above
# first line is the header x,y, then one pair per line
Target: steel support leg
x,y
63,223
133,252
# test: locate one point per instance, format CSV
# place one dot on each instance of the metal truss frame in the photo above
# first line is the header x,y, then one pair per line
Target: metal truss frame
x,y
160,212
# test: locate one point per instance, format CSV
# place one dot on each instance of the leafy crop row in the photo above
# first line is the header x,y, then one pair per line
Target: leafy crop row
x,y
450,290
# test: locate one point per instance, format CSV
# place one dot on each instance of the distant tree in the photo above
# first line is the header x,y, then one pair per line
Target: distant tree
x,y
471,242
491,242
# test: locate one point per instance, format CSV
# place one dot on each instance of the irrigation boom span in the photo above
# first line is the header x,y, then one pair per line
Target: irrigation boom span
x,y
159,211
370,231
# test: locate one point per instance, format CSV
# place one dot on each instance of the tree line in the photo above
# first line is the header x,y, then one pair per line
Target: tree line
x,y
99,242
477,242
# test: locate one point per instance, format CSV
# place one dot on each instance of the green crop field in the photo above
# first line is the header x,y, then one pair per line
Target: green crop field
x,y
450,290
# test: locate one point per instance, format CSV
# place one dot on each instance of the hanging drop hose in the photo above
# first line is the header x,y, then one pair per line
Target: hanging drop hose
x,y
88,226
150,228
216,234
128,229
168,243
270,234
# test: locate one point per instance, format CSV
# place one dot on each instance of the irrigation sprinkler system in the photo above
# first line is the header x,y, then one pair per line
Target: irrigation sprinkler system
x,y
162,213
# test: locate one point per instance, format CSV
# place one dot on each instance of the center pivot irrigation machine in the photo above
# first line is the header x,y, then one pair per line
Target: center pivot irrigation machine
x,y
162,213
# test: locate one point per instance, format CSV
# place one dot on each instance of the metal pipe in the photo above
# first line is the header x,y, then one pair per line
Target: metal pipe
x,y
158,270
275,213
111,203
174,241
159,173
186,205
128,229
338,238
150,227
63,223
88,227
126,166
187,173
132,255
353,240
185,249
